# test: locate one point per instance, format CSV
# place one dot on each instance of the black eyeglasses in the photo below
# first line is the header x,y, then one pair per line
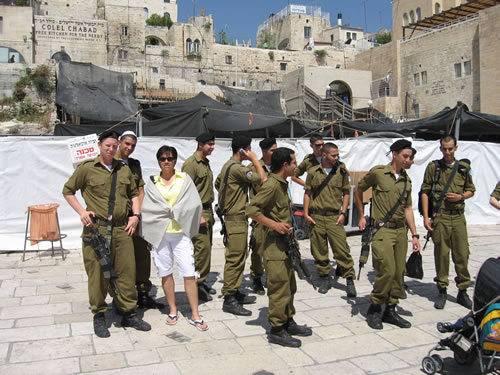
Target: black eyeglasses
x,y
165,159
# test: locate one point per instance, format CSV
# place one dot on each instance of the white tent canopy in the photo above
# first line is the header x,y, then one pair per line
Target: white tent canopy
x,y
33,171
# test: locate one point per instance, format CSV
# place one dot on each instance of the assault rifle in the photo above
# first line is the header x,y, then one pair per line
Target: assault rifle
x,y
293,252
223,231
103,254
366,239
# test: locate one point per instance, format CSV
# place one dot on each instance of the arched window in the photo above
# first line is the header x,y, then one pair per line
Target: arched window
x,y
146,13
412,16
419,14
405,19
437,8
189,46
166,15
196,46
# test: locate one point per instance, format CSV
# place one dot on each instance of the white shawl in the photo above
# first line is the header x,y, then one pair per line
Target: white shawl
x,y
157,213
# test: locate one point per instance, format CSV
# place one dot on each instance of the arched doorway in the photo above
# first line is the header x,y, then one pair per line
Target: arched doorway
x,y
341,90
10,55
61,56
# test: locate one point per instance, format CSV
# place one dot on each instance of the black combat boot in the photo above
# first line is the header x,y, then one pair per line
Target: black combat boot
x,y
324,284
280,336
244,299
350,289
145,301
203,295
232,306
257,286
463,299
209,289
374,316
338,272
297,330
100,327
441,299
130,319
392,317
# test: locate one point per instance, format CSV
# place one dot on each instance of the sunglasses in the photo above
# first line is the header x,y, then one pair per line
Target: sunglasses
x,y
162,160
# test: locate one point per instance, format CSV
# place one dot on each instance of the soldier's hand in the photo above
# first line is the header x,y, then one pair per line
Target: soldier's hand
x,y
452,197
362,223
86,219
281,228
428,224
131,227
340,220
309,219
250,155
416,244
203,222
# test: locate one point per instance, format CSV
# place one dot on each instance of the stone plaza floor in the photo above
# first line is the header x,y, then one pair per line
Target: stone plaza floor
x,y
46,325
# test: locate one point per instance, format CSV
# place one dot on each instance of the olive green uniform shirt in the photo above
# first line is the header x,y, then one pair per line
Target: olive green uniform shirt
x,y
330,197
200,172
462,182
308,162
256,187
94,181
135,168
496,192
386,192
239,180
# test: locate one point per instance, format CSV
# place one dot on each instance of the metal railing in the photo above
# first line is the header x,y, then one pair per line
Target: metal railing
x,y
308,10
441,26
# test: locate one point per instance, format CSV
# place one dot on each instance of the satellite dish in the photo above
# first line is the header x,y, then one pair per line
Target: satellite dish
x,y
284,44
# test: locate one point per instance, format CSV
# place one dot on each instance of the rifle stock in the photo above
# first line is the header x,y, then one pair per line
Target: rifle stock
x,y
293,253
223,231
366,239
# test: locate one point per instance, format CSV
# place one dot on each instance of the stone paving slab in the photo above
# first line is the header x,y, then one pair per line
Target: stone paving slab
x,y
46,324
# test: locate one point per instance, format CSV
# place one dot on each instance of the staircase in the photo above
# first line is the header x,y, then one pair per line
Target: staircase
x,y
326,108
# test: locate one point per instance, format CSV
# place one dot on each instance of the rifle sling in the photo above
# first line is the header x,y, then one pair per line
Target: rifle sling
x,y
392,211
222,194
325,182
446,187
111,204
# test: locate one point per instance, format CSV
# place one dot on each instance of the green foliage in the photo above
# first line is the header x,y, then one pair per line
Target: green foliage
x,y
41,71
157,20
5,116
7,100
267,39
22,2
320,53
164,52
169,22
383,37
222,37
28,112
19,93
207,26
42,85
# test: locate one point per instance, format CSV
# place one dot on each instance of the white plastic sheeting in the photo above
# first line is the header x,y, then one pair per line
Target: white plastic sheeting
x,y
33,170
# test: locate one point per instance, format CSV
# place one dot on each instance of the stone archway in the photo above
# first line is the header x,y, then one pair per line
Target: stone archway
x,y
61,56
10,55
153,40
342,90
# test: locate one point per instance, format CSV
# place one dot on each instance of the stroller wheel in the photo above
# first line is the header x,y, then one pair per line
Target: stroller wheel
x,y
438,361
429,366
300,234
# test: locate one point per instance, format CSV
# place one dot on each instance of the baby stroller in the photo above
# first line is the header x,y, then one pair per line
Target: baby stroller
x,y
476,335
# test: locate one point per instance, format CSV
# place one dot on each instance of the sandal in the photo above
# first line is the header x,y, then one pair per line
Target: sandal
x,y
199,324
172,319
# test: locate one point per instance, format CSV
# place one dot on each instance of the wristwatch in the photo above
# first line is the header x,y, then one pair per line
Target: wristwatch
x,y
417,236
463,198
344,213
139,216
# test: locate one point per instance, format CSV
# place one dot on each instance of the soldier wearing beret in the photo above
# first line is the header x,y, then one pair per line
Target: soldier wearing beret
x,y
233,183
391,190
311,160
197,166
94,178
448,228
326,199
257,236
271,209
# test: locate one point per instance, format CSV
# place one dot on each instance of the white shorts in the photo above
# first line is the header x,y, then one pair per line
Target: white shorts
x,y
174,246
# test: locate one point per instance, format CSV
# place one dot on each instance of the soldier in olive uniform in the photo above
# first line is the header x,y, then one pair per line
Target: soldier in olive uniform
x,y
93,178
257,236
128,142
448,228
197,166
233,198
325,209
311,160
271,208
389,183
495,197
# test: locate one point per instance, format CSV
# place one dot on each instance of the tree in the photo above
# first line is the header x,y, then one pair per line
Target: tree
x,y
157,20
383,37
222,37
266,39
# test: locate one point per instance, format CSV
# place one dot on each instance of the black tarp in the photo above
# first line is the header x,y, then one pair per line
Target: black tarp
x,y
94,93
473,126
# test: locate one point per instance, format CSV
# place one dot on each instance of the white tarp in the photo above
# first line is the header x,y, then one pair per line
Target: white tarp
x,y
33,171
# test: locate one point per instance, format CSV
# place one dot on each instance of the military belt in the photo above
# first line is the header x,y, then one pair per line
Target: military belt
x,y
103,222
451,212
236,218
390,224
207,206
323,212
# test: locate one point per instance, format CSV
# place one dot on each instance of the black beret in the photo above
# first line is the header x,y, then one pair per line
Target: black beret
x,y
205,137
266,143
400,144
109,134
413,152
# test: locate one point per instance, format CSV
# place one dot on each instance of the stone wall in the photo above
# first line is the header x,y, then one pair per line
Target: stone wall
x,y
16,30
78,9
488,73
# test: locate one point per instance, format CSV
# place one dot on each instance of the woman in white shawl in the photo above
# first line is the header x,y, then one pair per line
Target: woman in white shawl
x,y
171,214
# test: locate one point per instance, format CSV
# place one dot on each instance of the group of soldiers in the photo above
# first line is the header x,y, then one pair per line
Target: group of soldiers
x,y
447,184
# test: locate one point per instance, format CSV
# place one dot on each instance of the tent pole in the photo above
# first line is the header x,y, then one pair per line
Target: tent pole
x,y
139,124
458,120
291,128
267,132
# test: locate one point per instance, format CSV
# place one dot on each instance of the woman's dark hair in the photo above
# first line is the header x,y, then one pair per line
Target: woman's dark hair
x,y
164,149
281,156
